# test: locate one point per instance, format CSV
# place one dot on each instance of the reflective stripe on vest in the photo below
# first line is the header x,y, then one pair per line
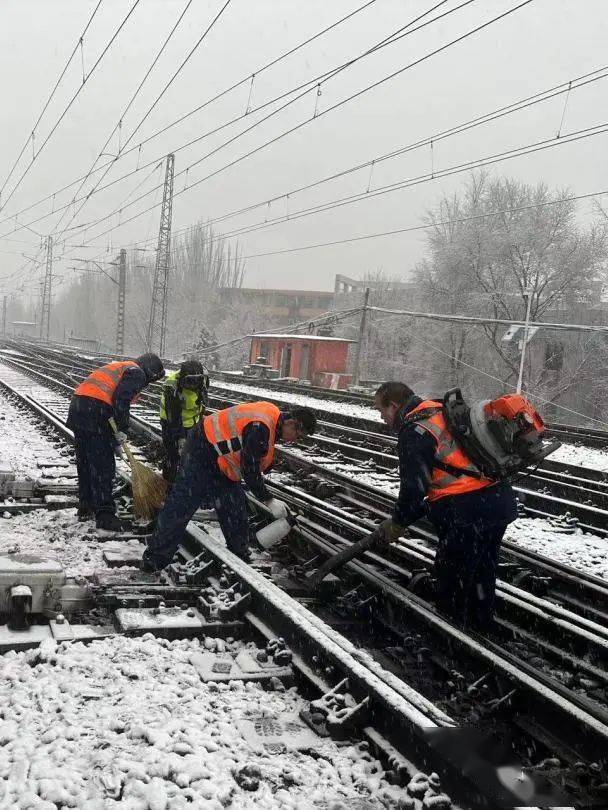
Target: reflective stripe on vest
x,y
102,383
224,430
448,452
192,407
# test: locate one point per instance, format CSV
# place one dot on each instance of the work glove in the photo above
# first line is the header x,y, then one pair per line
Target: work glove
x,y
278,509
181,443
120,437
387,532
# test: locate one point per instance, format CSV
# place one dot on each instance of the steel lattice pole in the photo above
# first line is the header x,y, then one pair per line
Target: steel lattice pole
x,y
45,319
120,312
157,324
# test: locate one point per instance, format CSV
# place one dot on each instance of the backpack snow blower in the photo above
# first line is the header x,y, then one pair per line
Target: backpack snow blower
x,y
500,436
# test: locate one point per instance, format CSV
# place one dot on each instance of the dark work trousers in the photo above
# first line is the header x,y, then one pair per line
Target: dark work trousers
x,y
96,466
171,437
199,480
466,564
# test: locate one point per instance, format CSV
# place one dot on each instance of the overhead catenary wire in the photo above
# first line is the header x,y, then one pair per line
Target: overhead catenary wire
x,y
122,117
160,95
434,316
339,104
219,95
479,321
72,100
308,86
426,226
30,137
516,106
435,174
550,93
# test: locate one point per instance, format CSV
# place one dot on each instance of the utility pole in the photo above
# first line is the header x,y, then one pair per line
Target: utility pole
x,y
45,319
4,315
157,325
122,291
362,326
528,294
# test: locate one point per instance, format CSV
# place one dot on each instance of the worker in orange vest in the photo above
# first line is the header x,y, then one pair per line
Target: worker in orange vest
x,y
469,512
226,448
105,394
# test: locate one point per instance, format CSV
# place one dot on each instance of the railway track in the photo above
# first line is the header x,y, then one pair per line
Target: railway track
x,y
369,708
378,480
589,437
546,646
555,490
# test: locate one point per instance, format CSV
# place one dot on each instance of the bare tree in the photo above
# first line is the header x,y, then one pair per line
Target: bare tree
x,y
482,264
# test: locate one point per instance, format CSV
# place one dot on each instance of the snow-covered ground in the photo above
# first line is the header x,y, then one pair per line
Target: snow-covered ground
x,y
587,552
581,456
58,535
128,723
325,405
23,443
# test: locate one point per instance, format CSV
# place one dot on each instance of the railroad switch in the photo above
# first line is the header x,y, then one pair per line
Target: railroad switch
x,y
271,664
223,605
337,713
197,570
173,623
192,572
356,601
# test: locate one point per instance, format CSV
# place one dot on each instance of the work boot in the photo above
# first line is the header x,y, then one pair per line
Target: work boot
x,y
107,523
245,555
84,512
146,566
149,565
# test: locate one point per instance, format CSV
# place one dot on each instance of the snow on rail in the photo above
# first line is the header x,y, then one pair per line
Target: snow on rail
x,y
326,405
581,550
592,457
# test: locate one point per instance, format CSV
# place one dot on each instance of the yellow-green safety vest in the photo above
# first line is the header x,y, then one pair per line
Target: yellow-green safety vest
x,y
192,407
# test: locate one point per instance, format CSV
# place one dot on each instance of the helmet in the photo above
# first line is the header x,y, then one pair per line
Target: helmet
x,y
151,365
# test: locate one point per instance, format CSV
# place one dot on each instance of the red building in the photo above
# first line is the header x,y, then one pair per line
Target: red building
x,y
321,360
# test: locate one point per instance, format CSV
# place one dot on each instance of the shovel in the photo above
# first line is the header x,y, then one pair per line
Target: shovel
x,y
149,487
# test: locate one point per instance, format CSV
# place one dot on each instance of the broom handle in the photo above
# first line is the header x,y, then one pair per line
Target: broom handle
x,y
124,445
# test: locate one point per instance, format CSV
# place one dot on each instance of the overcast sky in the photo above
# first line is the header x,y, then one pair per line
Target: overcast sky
x,y
543,44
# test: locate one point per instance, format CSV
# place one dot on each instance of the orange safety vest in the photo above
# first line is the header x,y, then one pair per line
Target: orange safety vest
x,y
443,482
224,430
101,383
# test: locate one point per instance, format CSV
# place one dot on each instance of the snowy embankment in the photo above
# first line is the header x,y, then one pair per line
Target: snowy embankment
x,y
302,400
128,723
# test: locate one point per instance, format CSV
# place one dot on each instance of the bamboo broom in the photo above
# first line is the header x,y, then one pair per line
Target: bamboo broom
x,y
148,487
